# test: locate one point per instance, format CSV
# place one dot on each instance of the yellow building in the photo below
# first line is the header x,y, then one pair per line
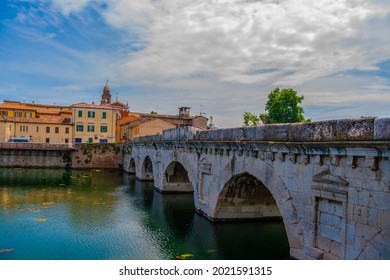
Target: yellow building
x,y
51,129
38,122
93,123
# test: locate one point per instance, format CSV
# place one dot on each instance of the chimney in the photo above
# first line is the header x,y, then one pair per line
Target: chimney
x,y
184,112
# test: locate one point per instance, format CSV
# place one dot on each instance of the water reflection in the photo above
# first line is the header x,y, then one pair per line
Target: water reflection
x,y
110,215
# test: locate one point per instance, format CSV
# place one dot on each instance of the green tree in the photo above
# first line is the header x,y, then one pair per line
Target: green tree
x,y
250,119
283,107
153,112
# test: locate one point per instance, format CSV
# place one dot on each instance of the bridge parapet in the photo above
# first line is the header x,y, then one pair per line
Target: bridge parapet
x,y
363,129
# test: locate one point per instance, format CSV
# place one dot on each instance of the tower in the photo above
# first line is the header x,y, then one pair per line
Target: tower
x,y
106,96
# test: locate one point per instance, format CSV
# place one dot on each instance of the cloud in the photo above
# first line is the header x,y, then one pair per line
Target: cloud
x,y
66,7
234,40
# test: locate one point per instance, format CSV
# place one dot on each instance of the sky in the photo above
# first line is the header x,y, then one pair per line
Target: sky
x,y
219,57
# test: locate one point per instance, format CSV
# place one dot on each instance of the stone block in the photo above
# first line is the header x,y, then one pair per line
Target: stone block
x,y
295,241
373,217
353,196
383,218
329,256
330,232
382,129
350,236
355,129
360,214
364,197
330,220
351,253
365,232
380,200
298,254
360,173
314,253
337,249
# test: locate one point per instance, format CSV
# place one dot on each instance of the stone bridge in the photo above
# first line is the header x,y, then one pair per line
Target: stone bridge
x,y
329,181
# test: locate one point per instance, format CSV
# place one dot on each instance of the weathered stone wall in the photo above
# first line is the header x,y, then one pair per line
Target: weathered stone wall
x,y
330,180
33,158
104,155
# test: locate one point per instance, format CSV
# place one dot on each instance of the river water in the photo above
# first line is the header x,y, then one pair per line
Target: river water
x,y
91,215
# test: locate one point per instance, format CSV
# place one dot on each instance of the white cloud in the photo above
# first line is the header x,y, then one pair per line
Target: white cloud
x,y
231,40
66,7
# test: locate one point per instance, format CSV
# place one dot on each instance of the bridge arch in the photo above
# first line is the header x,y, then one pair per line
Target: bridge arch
x,y
147,169
132,167
245,197
176,178
276,194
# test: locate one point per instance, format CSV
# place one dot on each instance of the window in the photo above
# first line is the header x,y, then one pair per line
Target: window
x,y
103,128
47,140
104,115
18,114
91,114
57,129
91,128
47,129
80,113
66,130
4,113
79,127
26,128
66,140
28,115
90,140
21,128
78,140
37,128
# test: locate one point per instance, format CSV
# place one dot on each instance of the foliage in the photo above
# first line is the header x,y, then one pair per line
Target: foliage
x,y
153,112
283,107
250,119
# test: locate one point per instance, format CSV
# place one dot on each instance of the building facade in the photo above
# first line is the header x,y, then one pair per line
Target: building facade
x,y
138,128
36,122
93,123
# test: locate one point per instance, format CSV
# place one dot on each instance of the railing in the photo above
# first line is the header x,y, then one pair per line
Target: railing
x,y
35,146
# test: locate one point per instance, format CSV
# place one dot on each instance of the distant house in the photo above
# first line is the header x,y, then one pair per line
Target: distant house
x,y
142,124
138,127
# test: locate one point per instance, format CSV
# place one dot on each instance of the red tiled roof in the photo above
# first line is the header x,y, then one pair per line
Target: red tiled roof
x,y
93,106
46,119
126,120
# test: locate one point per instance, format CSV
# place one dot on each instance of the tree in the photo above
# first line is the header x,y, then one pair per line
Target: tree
x,y
283,107
250,119
153,112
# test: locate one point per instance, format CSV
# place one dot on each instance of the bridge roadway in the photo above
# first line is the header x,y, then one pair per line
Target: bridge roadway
x,y
329,181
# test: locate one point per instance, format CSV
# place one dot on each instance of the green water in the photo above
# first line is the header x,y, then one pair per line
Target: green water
x,y
75,215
